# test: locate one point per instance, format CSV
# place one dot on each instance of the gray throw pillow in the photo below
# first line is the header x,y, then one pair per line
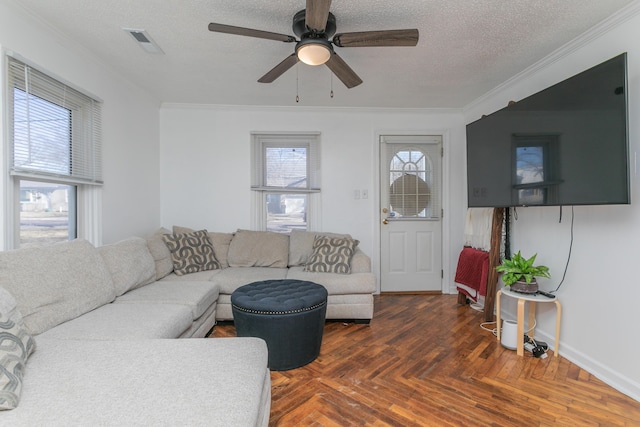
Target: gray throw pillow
x,y
220,242
301,245
191,252
331,255
15,347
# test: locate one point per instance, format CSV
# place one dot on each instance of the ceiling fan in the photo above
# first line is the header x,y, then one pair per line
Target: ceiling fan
x,y
315,26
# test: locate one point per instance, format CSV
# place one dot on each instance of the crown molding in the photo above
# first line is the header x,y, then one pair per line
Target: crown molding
x,y
623,15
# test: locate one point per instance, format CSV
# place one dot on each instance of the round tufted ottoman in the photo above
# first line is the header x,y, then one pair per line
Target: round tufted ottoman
x,y
288,314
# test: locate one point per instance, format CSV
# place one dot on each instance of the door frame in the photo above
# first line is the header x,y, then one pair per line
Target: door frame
x,y
377,217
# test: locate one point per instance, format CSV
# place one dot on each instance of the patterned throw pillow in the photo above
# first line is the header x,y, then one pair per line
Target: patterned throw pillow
x,y
191,252
331,255
15,347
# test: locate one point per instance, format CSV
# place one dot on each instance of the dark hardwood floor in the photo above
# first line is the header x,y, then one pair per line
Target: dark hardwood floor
x,y
425,361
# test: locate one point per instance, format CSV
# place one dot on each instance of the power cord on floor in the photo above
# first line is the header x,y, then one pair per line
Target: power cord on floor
x,y
477,307
494,331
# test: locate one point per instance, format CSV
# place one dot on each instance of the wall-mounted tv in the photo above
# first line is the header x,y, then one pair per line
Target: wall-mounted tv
x,y
566,145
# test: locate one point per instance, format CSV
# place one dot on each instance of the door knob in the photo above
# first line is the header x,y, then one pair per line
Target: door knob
x,y
385,210
385,221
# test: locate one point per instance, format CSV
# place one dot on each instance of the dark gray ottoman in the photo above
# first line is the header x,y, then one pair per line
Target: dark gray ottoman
x,y
288,314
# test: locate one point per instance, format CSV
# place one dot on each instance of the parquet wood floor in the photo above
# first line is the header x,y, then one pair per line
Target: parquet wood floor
x,y
425,361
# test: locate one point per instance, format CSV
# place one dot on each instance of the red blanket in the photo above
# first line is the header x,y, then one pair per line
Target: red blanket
x,y
473,270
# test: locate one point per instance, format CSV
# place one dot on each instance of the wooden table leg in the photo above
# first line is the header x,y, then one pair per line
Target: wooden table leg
x,y
498,324
520,328
558,315
532,320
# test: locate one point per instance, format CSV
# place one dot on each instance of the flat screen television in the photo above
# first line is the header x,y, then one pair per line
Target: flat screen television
x,y
565,145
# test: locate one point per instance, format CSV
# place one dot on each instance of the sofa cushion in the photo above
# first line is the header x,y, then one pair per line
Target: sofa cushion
x,y
336,283
259,249
331,255
220,242
301,245
230,279
198,296
16,345
55,283
191,252
160,253
125,321
130,263
194,382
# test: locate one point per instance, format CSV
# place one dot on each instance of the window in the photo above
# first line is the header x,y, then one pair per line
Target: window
x,y
410,175
286,181
55,158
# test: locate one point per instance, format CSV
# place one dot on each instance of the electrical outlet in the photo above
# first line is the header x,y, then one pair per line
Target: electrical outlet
x,y
356,194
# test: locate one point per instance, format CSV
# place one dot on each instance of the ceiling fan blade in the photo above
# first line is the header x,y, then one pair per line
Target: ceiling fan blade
x,y
279,69
377,38
343,71
316,15
240,31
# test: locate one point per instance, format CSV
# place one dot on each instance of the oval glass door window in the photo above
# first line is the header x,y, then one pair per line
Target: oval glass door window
x,y
409,195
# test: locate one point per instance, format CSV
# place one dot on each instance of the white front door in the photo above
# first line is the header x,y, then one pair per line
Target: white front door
x,y
410,213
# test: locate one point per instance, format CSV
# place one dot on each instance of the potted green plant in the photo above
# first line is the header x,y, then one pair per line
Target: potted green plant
x,y
520,274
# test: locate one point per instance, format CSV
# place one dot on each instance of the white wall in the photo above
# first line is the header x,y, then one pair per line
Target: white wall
x,y
205,166
131,196
601,291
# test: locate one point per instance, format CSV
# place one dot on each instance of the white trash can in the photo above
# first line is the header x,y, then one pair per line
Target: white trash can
x,y
509,334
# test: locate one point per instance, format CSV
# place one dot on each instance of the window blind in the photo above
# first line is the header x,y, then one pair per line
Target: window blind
x,y
288,162
55,130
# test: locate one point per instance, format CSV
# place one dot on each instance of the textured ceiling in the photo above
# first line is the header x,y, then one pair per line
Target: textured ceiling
x,y
466,47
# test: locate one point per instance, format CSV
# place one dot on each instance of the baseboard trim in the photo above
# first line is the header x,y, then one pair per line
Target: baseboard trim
x,y
412,293
604,373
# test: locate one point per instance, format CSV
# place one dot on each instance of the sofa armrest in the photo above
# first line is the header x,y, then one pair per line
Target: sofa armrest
x,y
360,262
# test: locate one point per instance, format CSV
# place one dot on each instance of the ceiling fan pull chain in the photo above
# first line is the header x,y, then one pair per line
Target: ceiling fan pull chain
x,y
297,96
331,74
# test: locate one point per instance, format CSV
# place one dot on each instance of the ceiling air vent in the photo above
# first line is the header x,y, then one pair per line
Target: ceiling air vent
x,y
144,40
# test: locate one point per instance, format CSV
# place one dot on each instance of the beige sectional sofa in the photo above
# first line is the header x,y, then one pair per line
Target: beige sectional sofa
x,y
248,256
105,322
106,351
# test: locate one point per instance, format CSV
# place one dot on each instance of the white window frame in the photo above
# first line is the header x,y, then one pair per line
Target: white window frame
x,y
89,191
262,140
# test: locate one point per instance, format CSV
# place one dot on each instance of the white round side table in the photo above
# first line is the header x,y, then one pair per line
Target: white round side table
x,y
532,299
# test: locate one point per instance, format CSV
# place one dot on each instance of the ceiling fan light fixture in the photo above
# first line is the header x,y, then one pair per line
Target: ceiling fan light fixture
x,y
314,51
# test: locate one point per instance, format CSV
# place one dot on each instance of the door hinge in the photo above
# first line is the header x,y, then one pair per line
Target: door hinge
x,y
441,213
442,274
441,151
